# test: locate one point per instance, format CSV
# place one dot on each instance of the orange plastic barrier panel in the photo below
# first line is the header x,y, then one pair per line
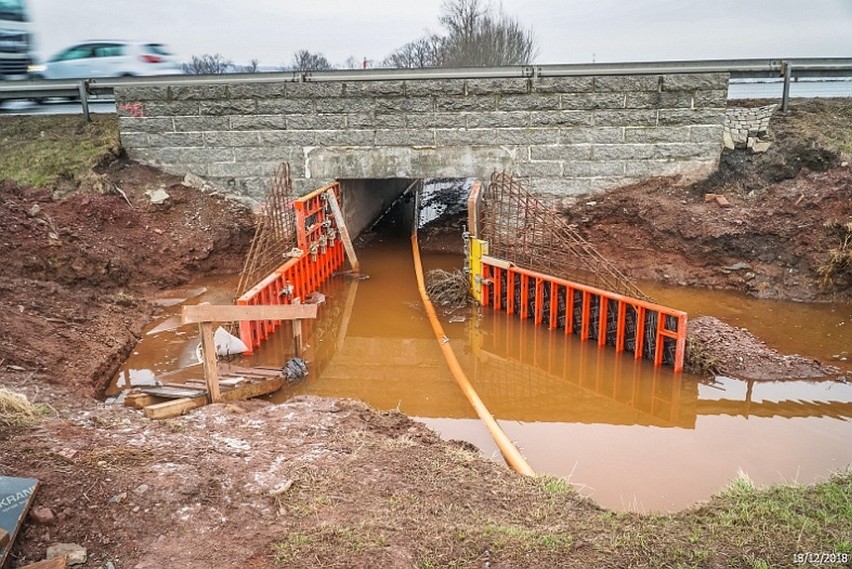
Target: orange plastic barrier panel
x,y
646,329
321,252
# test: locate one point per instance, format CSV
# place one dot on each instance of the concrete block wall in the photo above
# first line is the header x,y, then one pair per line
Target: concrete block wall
x,y
566,135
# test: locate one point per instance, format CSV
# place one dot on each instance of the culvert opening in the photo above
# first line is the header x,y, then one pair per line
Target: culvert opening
x,y
383,209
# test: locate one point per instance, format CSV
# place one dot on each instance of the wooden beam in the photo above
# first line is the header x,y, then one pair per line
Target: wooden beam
x,y
140,400
174,407
173,391
250,390
177,407
55,563
205,312
297,330
260,371
211,369
344,233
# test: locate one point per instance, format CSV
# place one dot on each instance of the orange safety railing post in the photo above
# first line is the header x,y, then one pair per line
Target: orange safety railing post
x,y
569,310
680,344
658,347
640,332
603,305
485,287
584,322
619,334
525,303
539,301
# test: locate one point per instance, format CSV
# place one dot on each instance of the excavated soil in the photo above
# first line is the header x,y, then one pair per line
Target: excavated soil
x,y
208,490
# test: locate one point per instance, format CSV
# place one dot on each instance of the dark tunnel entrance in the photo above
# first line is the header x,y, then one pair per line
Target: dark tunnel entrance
x,y
387,209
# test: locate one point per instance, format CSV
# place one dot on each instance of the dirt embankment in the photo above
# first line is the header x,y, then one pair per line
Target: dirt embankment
x,y
321,483
75,271
786,234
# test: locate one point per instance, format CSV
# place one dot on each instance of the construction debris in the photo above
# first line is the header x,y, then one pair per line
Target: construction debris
x,y
295,369
227,344
448,289
718,198
16,496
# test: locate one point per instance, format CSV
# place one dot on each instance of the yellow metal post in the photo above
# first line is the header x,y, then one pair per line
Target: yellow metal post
x,y
477,248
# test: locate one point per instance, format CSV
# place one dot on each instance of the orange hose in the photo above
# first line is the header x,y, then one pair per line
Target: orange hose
x,y
510,452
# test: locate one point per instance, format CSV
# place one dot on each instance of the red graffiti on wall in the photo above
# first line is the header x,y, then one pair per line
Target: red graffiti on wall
x,y
133,109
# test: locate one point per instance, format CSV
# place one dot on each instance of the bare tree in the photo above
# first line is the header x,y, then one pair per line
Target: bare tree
x,y
208,65
476,35
252,67
428,51
304,60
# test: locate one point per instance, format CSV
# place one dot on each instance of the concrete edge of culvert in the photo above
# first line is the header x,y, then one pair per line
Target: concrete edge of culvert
x,y
510,452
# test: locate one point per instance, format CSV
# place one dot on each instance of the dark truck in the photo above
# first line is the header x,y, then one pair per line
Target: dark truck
x,y
16,40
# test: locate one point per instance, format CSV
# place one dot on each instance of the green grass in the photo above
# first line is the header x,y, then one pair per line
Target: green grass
x,y
742,527
39,150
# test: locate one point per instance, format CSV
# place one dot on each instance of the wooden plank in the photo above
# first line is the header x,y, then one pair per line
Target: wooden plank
x,y
297,329
261,371
192,385
55,563
211,368
172,392
253,389
140,400
174,407
196,313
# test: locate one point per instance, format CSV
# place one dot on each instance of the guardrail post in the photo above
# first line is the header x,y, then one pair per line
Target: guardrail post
x,y
785,97
82,87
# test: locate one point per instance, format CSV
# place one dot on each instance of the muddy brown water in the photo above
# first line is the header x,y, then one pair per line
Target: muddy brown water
x,y
630,436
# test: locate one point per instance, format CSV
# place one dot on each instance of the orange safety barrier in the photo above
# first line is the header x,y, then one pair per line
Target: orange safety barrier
x,y
646,329
320,253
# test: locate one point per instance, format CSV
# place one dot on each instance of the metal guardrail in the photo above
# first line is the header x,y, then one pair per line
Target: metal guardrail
x,y
788,69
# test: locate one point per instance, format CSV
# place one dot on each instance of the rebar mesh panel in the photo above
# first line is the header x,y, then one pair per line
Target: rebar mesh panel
x,y
522,230
275,232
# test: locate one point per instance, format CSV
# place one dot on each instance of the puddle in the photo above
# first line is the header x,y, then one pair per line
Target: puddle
x,y
631,436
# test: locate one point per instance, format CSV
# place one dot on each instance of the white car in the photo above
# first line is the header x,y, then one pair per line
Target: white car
x,y
111,59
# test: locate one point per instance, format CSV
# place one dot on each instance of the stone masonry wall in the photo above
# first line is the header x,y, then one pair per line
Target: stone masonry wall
x,y
566,136
748,128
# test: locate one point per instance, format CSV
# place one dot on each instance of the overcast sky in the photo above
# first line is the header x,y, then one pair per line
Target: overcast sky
x,y
568,31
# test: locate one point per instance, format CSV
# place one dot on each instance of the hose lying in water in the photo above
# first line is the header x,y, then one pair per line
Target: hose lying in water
x,y
510,452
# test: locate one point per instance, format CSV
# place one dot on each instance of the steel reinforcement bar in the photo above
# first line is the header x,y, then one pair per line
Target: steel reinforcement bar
x,y
320,254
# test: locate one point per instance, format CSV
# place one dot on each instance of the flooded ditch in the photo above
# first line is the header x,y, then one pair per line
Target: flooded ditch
x,y
629,435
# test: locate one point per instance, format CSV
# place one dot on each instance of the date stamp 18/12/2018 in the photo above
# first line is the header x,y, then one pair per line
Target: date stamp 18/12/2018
x,y
820,558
